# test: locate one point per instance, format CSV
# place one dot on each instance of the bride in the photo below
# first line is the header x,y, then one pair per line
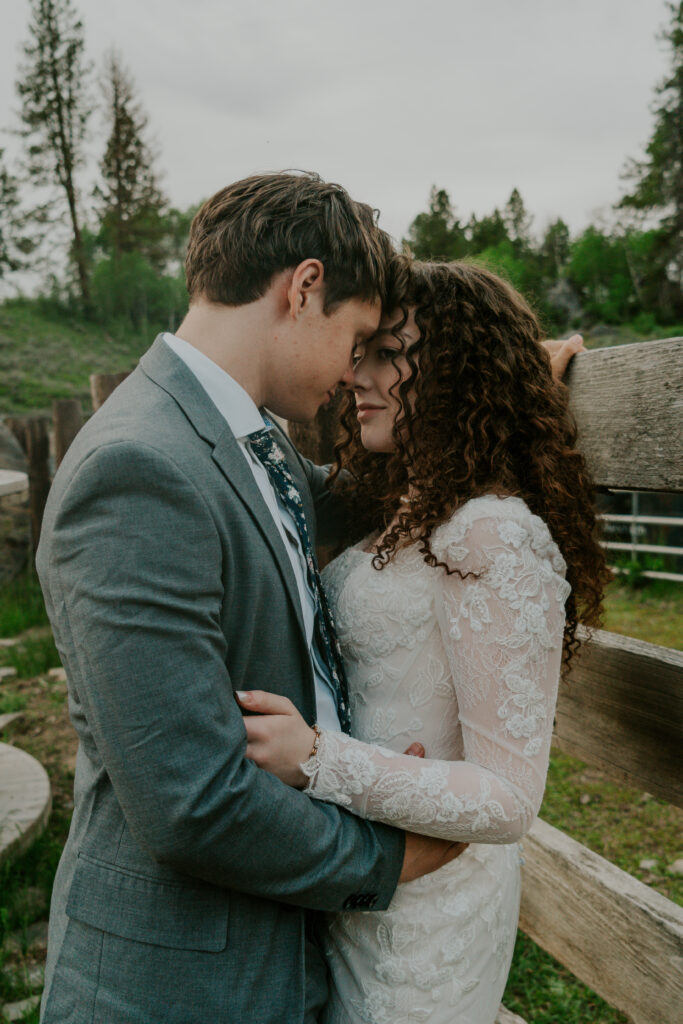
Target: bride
x,y
455,612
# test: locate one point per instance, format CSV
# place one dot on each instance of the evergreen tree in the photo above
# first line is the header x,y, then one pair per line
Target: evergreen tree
x,y
52,87
10,243
517,222
658,179
486,233
132,206
437,234
555,249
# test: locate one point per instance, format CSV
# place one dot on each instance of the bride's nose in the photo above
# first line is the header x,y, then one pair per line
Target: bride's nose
x,y
359,381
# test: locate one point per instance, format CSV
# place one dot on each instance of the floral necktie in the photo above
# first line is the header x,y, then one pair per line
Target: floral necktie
x,y
271,456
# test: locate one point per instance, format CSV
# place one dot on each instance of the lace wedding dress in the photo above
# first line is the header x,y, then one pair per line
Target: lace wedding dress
x,y
470,668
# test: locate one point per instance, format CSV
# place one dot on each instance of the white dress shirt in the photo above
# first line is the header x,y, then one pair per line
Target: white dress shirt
x,y
243,417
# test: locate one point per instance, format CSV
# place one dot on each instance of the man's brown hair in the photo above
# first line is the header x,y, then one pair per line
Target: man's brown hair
x,y
264,224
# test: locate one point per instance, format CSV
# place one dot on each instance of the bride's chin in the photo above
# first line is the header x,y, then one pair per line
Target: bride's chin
x,y
379,445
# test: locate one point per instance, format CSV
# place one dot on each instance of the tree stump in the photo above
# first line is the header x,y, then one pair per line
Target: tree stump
x,y
67,417
15,527
102,385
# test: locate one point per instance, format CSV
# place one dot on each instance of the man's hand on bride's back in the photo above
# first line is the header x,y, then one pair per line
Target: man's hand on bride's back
x,y
424,854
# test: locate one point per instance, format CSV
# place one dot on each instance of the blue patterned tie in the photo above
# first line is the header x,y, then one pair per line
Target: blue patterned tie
x,y
269,453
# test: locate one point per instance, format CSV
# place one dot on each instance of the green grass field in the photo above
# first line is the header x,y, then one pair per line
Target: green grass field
x,y
45,355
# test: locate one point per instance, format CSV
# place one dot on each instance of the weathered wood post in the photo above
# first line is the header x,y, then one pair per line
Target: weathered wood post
x,y
32,434
102,385
67,417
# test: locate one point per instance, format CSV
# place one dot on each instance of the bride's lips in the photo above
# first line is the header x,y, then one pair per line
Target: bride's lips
x,y
364,410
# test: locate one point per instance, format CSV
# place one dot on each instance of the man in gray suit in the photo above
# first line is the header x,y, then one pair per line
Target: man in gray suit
x,y
174,574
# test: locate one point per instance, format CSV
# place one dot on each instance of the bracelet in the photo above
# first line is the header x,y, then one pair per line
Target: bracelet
x,y
316,741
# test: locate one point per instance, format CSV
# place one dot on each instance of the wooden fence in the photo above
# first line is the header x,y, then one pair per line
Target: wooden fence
x,y
621,710
33,434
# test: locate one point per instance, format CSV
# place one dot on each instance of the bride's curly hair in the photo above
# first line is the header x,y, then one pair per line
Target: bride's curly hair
x,y
485,416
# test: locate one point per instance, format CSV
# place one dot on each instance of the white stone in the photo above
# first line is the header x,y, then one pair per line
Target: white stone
x,y
7,671
508,1017
12,482
57,675
9,641
35,977
25,799
648,864
16,1011
677,867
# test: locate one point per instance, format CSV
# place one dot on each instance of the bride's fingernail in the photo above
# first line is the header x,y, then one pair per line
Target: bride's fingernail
x,y
242,695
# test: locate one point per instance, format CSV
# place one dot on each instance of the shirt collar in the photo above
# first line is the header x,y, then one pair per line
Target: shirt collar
x,y
235,405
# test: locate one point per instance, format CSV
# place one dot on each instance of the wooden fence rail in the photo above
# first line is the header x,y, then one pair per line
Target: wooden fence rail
x,y
619,936
620,710
628,403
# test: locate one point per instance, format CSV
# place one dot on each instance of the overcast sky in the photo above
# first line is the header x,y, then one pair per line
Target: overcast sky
x,y
386,96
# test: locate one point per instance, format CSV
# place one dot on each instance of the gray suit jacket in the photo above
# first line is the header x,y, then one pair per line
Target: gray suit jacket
x,y
183,890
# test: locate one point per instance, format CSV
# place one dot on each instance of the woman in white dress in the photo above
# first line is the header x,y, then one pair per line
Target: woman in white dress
x,y
453,612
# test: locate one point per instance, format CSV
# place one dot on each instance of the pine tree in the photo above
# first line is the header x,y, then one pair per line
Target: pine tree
x,y
131,203
487,232
658,179
437,234
9,206
555,248
53,89
517,222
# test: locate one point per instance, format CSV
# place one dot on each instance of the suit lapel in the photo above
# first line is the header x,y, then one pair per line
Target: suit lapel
x,y
167,370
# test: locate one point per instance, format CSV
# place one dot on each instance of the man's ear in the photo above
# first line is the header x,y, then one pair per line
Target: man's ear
x,y
306,286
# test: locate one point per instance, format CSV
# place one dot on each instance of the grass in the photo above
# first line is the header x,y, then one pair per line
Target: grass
x,y
653,612
34,655
21,605
542,991
47,354
624,825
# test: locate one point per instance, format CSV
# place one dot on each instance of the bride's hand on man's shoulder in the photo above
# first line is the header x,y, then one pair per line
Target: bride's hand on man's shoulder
x,y
560,353
278,738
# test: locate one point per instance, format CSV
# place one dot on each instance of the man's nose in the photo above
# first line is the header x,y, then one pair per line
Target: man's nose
x,y
346,380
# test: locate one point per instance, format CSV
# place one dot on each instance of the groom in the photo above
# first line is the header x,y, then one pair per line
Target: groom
x,y
176,569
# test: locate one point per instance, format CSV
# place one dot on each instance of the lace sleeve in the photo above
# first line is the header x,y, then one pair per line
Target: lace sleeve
x,y
502,631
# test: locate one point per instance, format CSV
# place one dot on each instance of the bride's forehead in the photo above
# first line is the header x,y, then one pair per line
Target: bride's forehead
x,y
399,323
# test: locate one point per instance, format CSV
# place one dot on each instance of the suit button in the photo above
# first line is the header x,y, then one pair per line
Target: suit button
x,y
360,901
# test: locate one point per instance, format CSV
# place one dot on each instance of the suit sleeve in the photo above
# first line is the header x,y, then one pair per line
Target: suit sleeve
x,y
133,569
